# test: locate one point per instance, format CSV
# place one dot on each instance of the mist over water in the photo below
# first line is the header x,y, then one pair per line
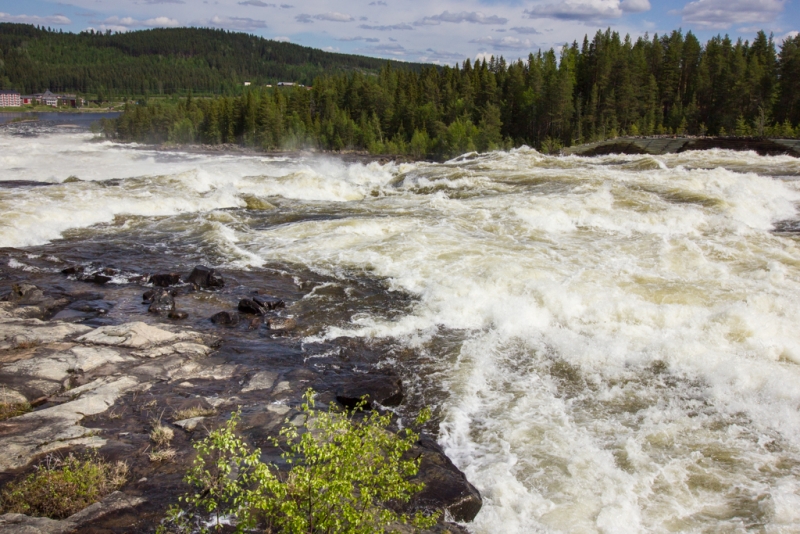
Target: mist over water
x,y
614,340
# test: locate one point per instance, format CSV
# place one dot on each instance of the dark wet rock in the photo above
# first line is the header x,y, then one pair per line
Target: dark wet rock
x,y
252,307
97,278
148,295
225,318
163,302
281,324
446,487
178,315
269,303
73,270
205,278
165,280
386,390
255,322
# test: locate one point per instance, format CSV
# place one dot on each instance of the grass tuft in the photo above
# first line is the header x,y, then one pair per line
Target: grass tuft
x,y
161,435
60,487
190,413
163,455
13,409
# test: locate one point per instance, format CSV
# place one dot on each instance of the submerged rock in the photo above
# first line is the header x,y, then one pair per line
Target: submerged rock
x,y
252,307
165,280
281,324
177,315
162,302
386,390
225,318
269,303
205,278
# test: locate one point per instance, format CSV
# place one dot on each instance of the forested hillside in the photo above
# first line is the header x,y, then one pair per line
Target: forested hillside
x,y
606,87
159,61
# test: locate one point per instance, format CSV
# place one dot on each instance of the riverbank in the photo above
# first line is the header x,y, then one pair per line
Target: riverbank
x,y
661,145
98,365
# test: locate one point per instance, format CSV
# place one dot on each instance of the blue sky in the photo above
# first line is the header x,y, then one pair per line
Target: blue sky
x,y
438,31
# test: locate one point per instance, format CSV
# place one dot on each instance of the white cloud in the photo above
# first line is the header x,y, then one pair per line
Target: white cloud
x,y
506,43
334,16
788,35
282,39
256,3
588,10
722,14
57,20
125,23
235,23
401,26
464,16
484,56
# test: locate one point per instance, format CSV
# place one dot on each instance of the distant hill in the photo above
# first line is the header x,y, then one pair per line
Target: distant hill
x,y
161,61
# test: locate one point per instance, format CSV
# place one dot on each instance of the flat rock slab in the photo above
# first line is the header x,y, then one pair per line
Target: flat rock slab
x,y
134,335
23,524
15,332
42,359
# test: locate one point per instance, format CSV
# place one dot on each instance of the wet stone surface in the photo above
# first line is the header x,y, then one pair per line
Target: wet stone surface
x,y
103,365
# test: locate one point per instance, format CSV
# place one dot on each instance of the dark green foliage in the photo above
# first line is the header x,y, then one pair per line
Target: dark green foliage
x,y
605,88
159,61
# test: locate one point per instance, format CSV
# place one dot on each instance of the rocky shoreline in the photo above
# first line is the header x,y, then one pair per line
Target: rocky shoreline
x,y
99,382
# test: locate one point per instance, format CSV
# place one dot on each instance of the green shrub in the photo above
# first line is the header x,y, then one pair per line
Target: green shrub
x,y
343,475
59,488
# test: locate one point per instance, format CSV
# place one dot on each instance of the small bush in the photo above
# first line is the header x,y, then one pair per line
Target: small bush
x,y
59,488
343,476
13,409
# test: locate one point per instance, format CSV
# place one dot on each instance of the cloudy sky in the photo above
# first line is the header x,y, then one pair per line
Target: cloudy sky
x,y
439,31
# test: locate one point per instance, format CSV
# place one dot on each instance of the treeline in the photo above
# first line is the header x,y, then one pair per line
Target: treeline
x,y
601,89
159,61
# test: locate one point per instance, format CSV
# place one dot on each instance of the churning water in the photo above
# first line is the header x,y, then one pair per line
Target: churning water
x,y
612,344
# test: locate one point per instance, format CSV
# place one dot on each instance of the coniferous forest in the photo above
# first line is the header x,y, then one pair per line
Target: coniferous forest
x,y
601,88
605,87
159,61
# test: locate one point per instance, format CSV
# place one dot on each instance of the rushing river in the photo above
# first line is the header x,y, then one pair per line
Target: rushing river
x,y
612,344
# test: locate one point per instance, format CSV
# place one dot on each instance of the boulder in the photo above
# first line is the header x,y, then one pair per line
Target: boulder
x,y
386,390
225,318
446,487
162,303
269,303
165,280
252,307
97,278
177,315
205,278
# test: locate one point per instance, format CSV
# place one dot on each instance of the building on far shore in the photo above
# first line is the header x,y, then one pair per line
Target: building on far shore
x,y
27,100
10,99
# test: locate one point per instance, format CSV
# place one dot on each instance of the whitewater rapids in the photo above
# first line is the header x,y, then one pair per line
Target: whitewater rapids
x,y
613,341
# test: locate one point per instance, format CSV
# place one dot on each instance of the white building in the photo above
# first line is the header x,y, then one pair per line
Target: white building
x,y
10,99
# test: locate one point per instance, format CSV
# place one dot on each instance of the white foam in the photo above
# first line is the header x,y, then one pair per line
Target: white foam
x,y
629,355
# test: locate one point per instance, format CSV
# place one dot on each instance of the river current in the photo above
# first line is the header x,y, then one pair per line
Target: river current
x,y
611,344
